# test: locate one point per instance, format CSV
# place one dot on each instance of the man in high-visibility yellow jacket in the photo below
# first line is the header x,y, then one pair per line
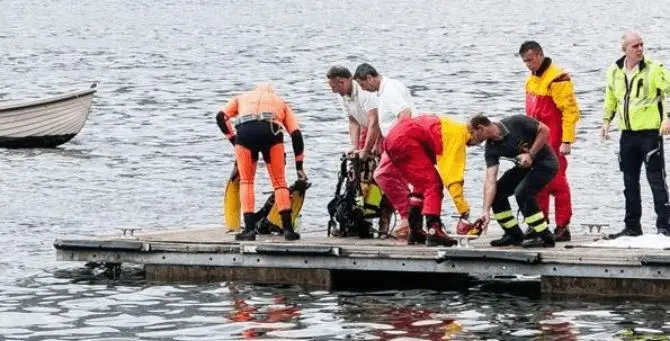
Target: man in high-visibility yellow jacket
x,y
415,146
550,99
636,89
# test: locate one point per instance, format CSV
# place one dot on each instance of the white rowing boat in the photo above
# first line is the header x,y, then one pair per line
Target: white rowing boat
x,y
44,123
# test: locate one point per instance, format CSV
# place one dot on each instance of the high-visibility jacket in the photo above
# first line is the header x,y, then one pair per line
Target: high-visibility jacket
x,y
550,98
638,101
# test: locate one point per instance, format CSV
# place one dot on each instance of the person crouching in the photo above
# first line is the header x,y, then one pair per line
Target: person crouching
x,y
524,140
416,146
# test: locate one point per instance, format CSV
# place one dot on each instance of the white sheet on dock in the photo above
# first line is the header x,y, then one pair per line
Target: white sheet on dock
x,y
646,241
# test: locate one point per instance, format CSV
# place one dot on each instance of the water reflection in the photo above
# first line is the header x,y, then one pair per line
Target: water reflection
x,y
272,317
231,311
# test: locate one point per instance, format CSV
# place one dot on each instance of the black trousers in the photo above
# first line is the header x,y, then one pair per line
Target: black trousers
x,y
636,148
524,184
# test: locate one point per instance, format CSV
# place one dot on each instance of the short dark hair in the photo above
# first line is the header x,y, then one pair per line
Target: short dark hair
x,y
338,71
530,45
479,120
364,70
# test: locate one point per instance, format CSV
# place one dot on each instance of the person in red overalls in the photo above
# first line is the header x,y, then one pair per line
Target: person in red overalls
x,y
429,152
550,98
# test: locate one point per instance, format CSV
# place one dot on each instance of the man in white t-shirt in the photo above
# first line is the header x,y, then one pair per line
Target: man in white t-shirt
x,y
360,107
395,103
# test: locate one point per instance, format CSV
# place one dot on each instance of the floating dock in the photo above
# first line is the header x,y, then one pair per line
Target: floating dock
x,y
208,253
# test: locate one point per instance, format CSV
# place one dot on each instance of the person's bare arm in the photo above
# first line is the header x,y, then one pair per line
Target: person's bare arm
x,y
489,194
542,137
354,132
405,113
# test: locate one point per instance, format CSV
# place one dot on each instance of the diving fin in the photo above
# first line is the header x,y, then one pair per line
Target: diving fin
x,y
298,198
262,225
231,202
297,191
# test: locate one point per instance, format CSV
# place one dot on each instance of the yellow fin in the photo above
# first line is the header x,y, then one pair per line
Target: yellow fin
x,y
297,199
231,202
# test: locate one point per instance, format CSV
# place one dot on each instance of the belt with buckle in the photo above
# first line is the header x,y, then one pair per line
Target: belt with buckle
x,y
264,116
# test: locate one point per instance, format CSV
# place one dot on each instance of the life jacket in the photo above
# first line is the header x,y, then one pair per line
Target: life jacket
x,y
360,200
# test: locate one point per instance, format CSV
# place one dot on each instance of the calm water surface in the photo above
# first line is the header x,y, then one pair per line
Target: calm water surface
x,y
151,155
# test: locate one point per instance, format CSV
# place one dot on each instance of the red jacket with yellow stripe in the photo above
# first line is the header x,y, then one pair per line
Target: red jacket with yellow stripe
x,y
550,98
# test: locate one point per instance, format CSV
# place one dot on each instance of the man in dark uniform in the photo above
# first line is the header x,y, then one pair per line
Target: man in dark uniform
x,y
526,141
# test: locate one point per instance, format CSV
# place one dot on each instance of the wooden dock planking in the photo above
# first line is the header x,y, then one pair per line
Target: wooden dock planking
x,y
209,253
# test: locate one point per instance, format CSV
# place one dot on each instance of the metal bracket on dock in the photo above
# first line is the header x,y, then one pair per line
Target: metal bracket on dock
x,y
128,230
108,245
463,240
467,254
289,249
655,260
597,227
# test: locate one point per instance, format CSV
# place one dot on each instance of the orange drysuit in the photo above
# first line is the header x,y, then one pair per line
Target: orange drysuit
x,y
259,117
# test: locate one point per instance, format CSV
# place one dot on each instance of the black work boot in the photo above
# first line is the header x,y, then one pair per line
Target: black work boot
x,y
626,232
562,233
287,225
436,235
416,233
664,231
543,238
249,232
512,236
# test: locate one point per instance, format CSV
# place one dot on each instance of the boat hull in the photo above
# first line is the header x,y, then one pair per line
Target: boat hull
x,y
45,141
44,123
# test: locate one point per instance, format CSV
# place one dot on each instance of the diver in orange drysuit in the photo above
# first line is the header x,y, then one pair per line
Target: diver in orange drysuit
x,y
258,117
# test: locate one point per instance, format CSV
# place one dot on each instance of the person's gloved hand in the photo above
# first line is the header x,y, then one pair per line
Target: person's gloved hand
x,y
464,226
301,175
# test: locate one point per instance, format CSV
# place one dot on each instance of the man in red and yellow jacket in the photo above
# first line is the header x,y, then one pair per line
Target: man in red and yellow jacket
x,y
550,98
